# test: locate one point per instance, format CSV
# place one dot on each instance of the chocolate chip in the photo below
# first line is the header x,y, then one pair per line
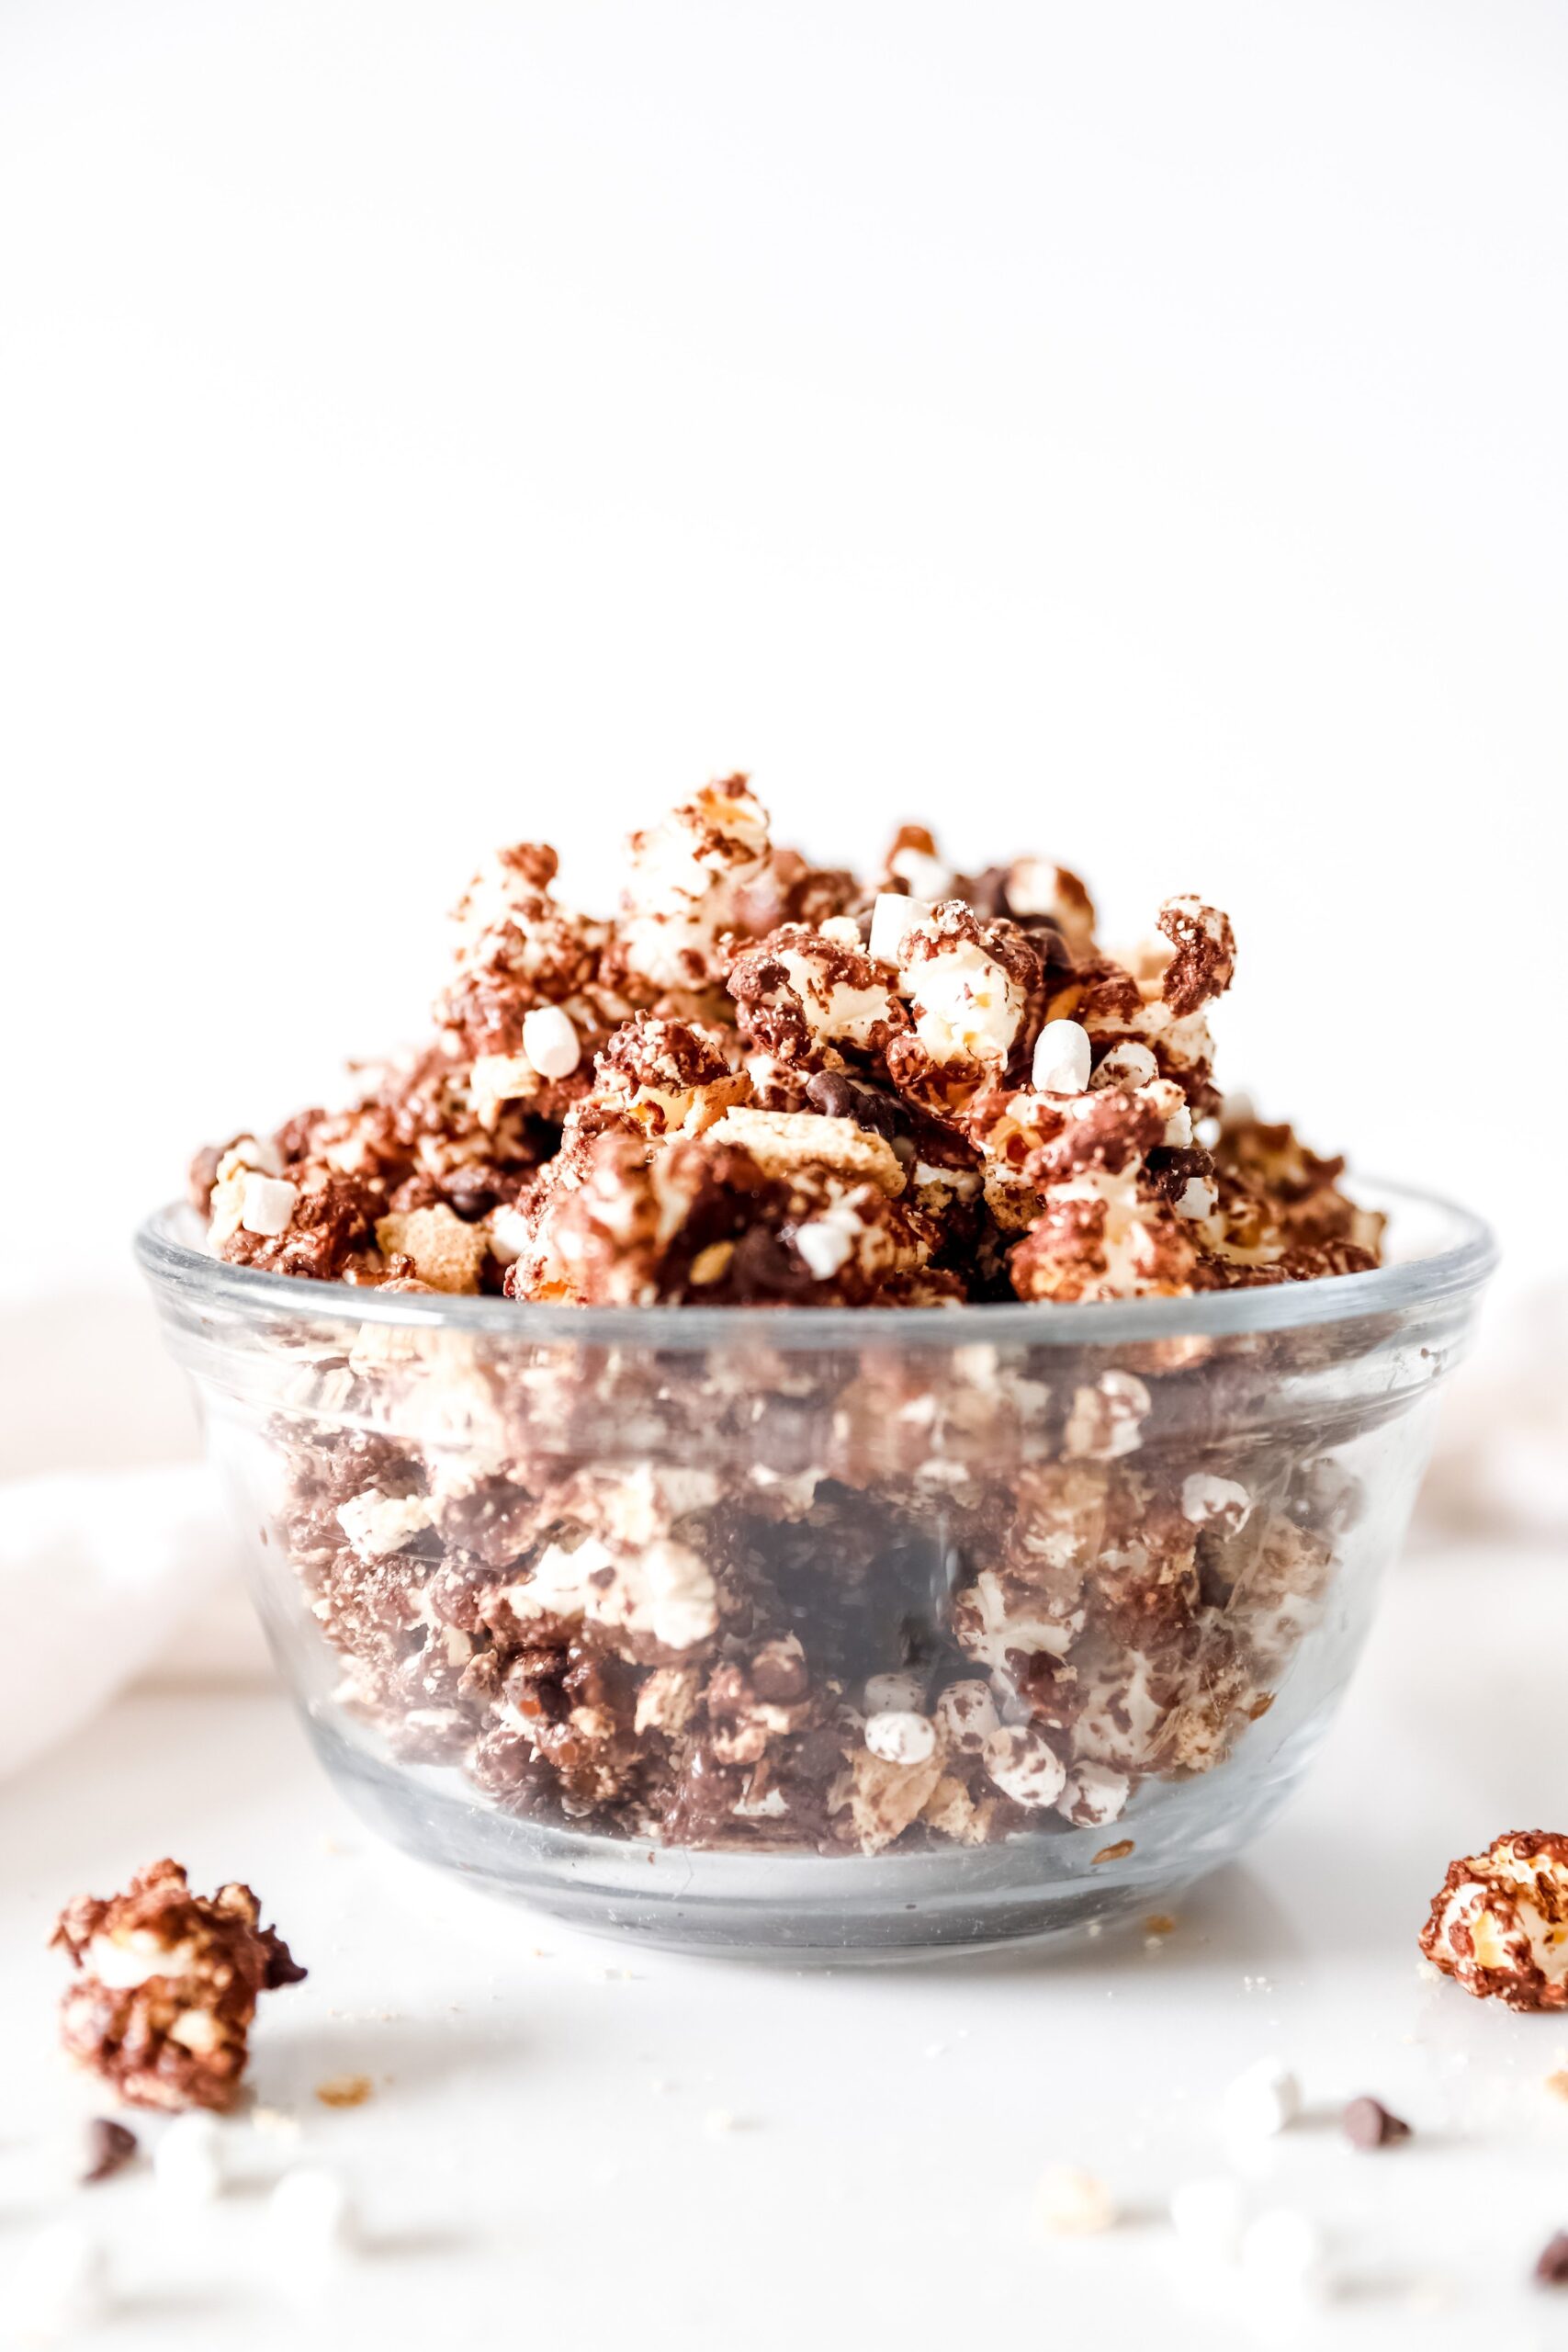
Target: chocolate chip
x,y
831,1092
105,2147
1551,2263
1367,2123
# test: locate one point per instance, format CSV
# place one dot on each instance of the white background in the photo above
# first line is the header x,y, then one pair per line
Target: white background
x,y
1129,431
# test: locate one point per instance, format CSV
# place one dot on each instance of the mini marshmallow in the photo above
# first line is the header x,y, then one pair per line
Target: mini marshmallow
x,y
1024,1765
1071,2203
1209,2218
1282,2252
901,1736
1262,2101
58,2286
1062,1058
1093,1795
311,2216
901,1692
1204,1498
926,876
966,1714
266,1204
550,1041
893,917
187,2163
1197,1199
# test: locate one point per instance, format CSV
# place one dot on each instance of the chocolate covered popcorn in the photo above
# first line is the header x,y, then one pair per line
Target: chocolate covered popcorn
x,y
166,1986
737,1594
1499,1923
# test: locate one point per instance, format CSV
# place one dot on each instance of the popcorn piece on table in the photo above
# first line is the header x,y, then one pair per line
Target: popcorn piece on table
x,y
1499,1923
168,1987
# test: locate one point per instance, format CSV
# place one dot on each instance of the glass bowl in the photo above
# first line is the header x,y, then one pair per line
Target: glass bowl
x,y
801,1630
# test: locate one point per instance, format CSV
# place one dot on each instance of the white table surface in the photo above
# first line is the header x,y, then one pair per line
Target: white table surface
x,y
571,2143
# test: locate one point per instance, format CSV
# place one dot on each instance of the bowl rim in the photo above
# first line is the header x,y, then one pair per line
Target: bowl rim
x,y
179,1266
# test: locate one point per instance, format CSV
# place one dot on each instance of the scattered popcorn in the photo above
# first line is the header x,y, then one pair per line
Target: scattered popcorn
x,y
1499,1923
166,1987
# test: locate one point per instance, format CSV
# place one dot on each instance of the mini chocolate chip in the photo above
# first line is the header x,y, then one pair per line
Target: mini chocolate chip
x,y
831,1092
106,2146
1551,2263
989,893
1367,2123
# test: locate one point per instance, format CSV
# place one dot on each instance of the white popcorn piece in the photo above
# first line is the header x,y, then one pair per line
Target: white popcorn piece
x,y
1062,1058
267,1204
966,1716
1072,2203
1206,1498
1283,2254
57,2287
1024,1765
893,918
898,1735
311,2218
551,1042
1107,1417
378,1525
187,2163
1261,2102
1209,2218
899,1693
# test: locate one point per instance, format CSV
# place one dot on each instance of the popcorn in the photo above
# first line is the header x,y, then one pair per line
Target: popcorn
x,y
618,1607
167,1986
1499,1923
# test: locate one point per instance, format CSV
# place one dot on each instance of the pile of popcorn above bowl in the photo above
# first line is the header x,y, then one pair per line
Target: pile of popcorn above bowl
x,y
802,1419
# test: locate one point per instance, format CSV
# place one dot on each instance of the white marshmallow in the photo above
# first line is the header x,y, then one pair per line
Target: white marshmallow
x,y
901,1736
825,1247
187,2163
1261,2101
1197,1198
1024,1765
266,1204
967,1715
1282,2253
310,2217
56,2286
901,1692
1209,2216
1062,1058
893,918
1206,1497
550,1041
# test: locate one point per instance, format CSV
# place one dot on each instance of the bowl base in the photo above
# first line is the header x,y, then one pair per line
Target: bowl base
x,y
806,1908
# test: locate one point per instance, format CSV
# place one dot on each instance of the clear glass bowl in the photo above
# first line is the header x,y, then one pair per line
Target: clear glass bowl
x,y
822,1630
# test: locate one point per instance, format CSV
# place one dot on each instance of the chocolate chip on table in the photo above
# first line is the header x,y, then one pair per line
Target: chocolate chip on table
x,y
106,2147
1551,2262
1368,2124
